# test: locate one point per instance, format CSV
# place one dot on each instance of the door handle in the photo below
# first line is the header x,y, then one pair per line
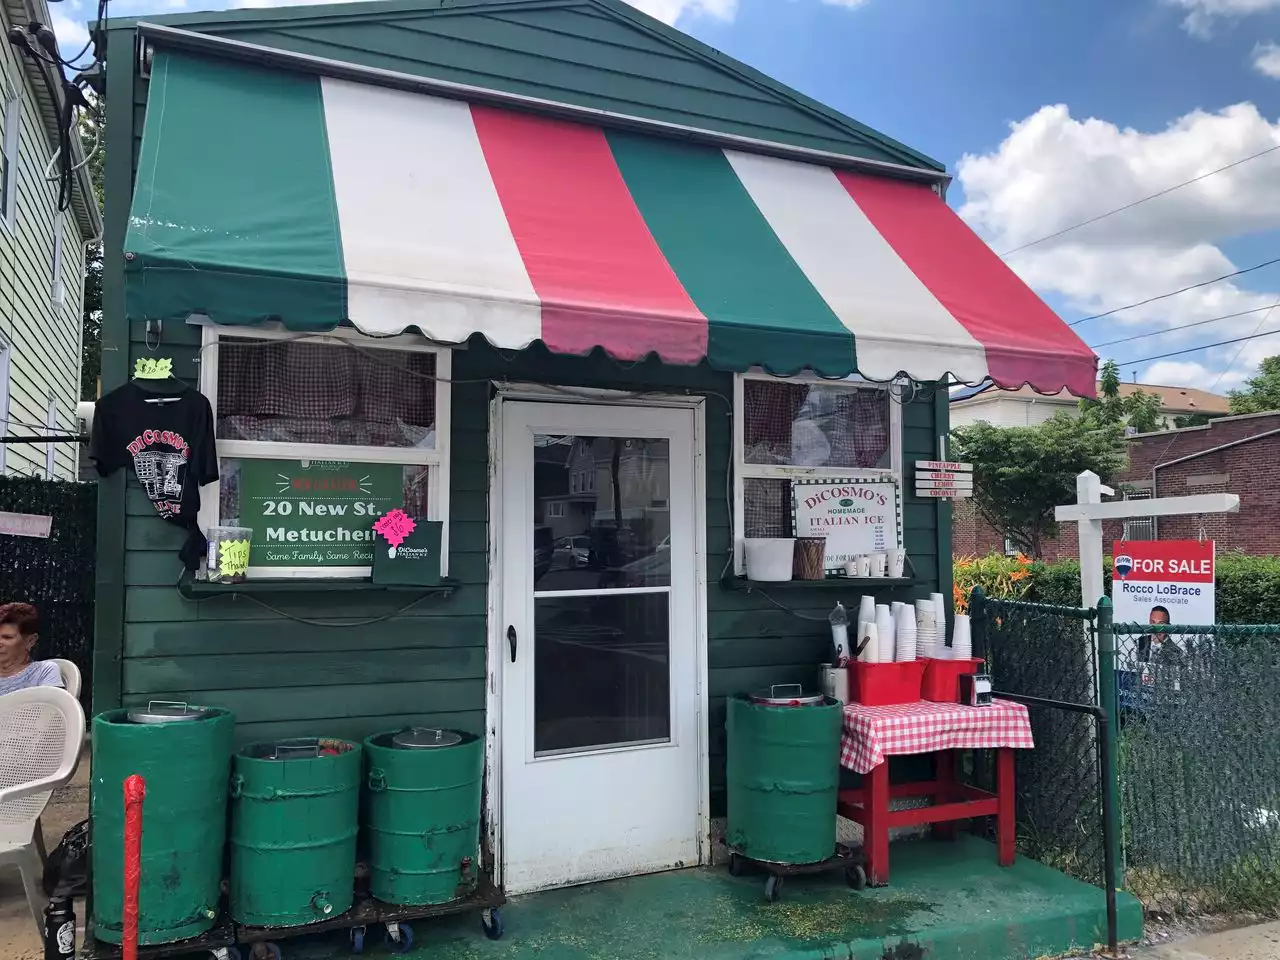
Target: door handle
x,y
511,642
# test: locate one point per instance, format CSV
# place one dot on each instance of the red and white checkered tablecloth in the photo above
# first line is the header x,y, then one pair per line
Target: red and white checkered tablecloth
x,y
873,733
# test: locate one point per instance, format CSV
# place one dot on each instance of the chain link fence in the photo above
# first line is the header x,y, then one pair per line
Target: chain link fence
x,y
1045,656
1199,765
55,574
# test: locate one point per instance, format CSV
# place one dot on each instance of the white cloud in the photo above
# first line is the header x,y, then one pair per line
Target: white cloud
x,y
668,11
1053,171
1202,15
844,3
71,33
1266,59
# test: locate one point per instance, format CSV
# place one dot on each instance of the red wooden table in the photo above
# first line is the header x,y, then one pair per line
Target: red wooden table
x,y
873,734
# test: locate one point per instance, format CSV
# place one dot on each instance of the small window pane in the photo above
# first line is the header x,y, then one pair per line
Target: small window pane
x,y
293,527
816,425
767,510
290,392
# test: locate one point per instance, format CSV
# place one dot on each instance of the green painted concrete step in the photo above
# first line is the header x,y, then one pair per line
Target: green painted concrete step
x,y
948,901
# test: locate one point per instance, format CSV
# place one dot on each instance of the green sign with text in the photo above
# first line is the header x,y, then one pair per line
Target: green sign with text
x,y
316,513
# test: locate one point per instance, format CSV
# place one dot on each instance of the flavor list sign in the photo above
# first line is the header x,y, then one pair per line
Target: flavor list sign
x,y
1161,581
309,513
854,516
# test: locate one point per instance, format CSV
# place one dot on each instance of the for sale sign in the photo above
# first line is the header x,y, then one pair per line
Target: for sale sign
x,y
1161,581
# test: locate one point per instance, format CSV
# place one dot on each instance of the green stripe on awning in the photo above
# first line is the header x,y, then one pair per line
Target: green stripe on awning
x,y
264,231
761,307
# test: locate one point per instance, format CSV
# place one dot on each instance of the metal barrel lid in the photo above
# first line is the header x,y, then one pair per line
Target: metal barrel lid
x,y
425,738
787,695
166,711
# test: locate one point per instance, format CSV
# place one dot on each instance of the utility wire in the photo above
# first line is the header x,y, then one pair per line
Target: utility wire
x,y
1205,346
1181,326
1152,196
1174,293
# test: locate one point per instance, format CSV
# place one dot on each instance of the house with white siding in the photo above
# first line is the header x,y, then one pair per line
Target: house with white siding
x,y
1026,408
42,258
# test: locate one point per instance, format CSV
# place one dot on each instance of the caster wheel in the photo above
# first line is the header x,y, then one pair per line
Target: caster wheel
x,y
772,888
736,867
856,877
265,950
491,921
402,940
357,939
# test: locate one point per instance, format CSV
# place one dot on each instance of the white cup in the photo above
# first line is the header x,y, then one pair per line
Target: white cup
x,y
879,564
871,649
867,609
850,568
864,565
897,563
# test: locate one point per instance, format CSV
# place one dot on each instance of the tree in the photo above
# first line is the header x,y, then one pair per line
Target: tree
x,y
1139,410
1261,392
1021,473
91,326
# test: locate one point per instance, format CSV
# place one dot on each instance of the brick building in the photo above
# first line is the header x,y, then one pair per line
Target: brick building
x,y
1239,455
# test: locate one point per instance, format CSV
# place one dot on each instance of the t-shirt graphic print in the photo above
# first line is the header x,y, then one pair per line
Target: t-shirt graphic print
x,y
170,445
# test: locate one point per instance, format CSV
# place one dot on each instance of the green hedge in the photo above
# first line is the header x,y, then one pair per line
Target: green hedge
x,y
1248,587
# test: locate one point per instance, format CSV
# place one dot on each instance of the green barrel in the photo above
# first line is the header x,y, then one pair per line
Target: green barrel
x,y
185,763
783,776
422,814
294,820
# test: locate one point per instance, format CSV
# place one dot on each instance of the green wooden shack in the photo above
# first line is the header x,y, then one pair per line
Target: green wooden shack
x,y
605,303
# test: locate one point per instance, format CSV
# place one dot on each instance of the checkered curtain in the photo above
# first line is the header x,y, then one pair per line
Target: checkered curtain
x,y
325,393
815,425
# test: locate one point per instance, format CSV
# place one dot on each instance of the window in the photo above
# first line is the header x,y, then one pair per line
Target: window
x,y
317,435
1010,548
50,426
58,289
806,427
9,131
555,510
1144,529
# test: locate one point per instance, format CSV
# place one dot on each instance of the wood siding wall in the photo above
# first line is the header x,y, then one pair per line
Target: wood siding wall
x,y
386,667
43,337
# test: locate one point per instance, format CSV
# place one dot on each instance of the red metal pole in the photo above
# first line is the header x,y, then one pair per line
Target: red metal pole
x,y
135,791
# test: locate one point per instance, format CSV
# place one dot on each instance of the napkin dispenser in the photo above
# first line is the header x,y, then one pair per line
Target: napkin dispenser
x,y
975,689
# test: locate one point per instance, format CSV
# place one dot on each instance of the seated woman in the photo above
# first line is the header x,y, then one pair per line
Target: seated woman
x,y
19,631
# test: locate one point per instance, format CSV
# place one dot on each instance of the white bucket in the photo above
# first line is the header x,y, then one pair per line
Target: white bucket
x,y
769,558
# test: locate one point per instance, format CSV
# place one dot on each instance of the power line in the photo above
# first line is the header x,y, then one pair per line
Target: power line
x,y
1181,326
1174,293
1203,346
1130,206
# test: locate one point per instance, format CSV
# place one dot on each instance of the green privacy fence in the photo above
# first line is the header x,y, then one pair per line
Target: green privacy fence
x,y
1200,765
55,574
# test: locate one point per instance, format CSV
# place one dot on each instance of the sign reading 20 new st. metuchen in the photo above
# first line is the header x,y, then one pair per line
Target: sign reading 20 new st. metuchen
x,y
307,513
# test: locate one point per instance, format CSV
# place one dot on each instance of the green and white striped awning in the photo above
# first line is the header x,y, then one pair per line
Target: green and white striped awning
x,y
265,194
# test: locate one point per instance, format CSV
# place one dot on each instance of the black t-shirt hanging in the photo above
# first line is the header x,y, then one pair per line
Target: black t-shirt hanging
x,y
170,445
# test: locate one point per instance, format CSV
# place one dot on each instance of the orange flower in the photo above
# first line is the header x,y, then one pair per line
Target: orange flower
x,y
1016,575
1021,558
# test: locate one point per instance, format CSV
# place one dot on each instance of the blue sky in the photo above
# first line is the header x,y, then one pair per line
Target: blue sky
x,y
1049,113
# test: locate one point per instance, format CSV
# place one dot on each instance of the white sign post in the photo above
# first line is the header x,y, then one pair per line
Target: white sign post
x,y
1089,511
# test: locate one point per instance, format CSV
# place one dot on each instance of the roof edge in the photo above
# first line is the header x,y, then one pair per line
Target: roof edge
x,y
616,8
195,42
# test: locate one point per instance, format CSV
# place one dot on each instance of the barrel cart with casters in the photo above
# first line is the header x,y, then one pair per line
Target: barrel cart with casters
x,y
783,776
846,858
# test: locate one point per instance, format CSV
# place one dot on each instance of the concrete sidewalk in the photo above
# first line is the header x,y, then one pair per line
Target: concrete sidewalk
x,y
1261,942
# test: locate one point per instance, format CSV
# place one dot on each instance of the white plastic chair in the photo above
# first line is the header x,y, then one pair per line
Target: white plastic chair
x,y
70,677
41,734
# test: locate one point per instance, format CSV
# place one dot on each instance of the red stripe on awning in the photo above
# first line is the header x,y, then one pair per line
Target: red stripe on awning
x,y
594,264
1025,341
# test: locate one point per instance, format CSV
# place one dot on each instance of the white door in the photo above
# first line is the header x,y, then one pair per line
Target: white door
x,y
600,683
